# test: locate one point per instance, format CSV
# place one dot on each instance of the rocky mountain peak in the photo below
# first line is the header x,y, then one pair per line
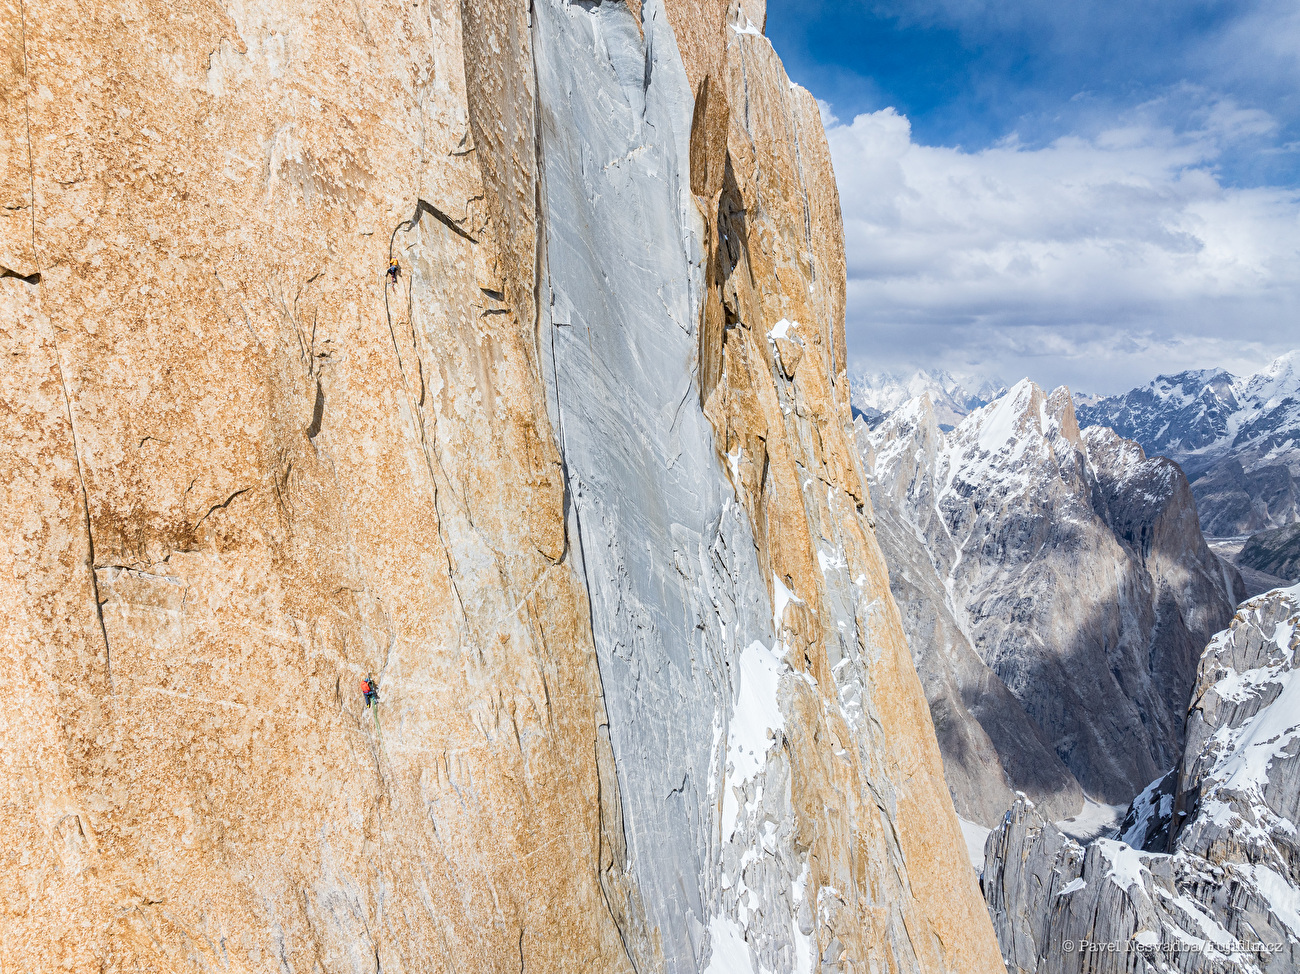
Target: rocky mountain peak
x,y
1278,380
910,441
1237,438
1060,407
1070,565
1027,422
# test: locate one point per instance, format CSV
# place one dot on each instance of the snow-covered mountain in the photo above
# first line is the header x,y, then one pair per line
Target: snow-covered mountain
x,y
877,394
1056,592
1238,439
1205,877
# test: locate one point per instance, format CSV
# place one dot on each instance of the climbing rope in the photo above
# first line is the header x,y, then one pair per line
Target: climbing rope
x,y
379,730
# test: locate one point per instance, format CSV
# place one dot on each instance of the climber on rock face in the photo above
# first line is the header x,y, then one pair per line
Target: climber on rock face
x,y
370,691
394,272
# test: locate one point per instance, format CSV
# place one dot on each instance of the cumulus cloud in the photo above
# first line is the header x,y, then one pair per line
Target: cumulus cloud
x,y
1098,261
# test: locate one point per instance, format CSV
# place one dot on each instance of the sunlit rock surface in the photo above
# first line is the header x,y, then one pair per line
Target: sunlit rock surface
x,y
579,490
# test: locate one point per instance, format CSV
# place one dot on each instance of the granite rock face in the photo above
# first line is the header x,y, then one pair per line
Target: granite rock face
x,y
1216,884
1057,593
579,489
1275,552
1238,793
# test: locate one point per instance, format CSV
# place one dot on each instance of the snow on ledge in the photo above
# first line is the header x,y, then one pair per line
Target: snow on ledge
x,y
756,713
728,952
782,328
1073,886
781,597
1126,866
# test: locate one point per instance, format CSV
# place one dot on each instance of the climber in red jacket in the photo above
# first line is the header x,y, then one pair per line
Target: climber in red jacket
x,y
370,691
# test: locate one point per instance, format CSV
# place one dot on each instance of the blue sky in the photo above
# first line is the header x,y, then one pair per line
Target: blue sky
x,y
1086,193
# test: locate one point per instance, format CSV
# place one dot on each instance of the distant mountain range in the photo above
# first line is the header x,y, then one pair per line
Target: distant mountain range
x,y
1056,592
876,395
1048,556
1237,438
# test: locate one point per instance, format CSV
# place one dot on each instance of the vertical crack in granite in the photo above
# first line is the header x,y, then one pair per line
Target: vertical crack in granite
x,y
85,507
27,124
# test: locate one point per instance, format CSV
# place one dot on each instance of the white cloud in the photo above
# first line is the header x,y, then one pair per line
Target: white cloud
x,y
1095,261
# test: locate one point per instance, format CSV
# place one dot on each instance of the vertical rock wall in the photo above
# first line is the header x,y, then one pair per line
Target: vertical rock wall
x,y
578,491
240,474
884,850
751,530
666,553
